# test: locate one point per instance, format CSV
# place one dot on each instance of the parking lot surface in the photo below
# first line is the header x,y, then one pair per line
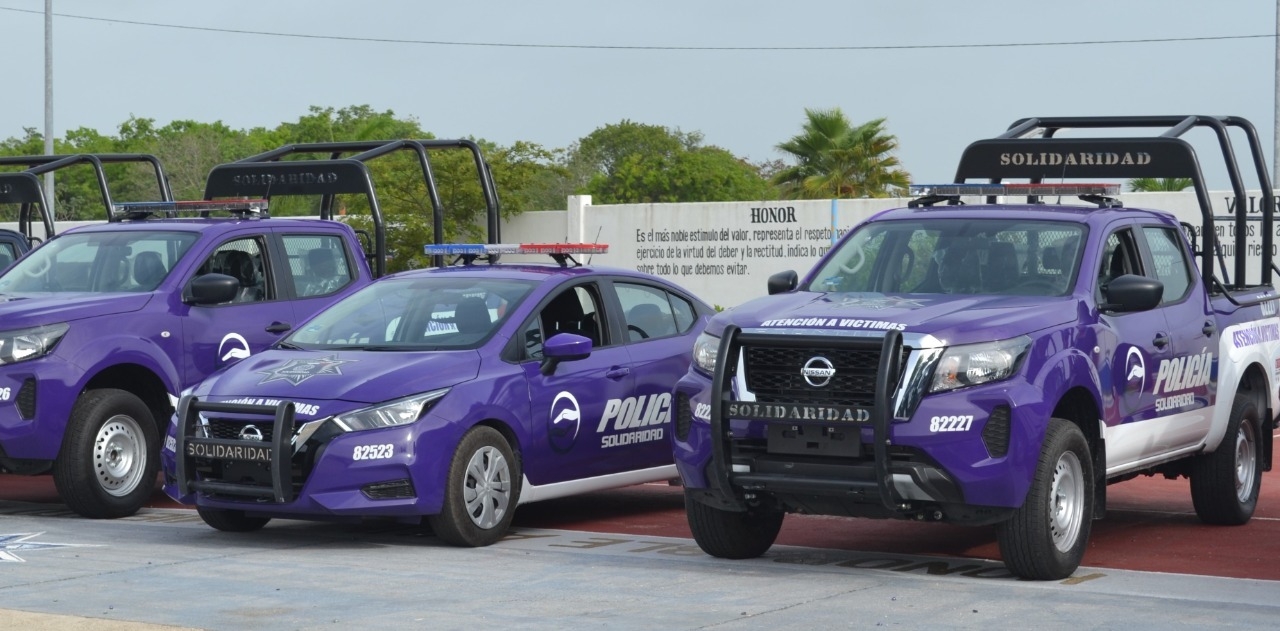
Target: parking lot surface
x,y
623,559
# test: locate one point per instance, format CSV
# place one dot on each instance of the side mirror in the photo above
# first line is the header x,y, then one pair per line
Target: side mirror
x,y
1129,292
783,282
213,289
563,347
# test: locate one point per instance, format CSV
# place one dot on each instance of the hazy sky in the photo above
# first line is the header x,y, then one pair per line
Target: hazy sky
x,y
547,74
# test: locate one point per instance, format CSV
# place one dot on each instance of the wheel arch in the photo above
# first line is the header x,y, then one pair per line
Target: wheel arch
x,y
1255,384
509,434
1080,407
142,383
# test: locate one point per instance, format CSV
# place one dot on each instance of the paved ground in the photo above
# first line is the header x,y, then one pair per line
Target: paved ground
x,y
623,560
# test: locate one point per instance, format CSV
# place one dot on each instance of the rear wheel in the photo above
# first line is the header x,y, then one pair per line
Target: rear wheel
x,y
107,465
1046,537
231,520
481,491
1225,483
732,534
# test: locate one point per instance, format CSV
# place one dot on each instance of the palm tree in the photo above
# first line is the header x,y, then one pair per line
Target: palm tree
x,y
1158,184
835,159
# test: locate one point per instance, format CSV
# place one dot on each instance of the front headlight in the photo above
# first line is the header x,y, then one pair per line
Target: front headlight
x,y
705,350
973,364
23,344
398,412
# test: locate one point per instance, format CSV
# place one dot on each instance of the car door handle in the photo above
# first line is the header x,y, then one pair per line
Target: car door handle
x,y
1161,340
279,327
1209,329
617,372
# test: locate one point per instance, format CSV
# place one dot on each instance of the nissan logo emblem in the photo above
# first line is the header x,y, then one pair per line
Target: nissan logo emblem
x,y
251,432
818,371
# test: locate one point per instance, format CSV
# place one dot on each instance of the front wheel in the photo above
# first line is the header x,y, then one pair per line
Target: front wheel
x,y
731,534
1225,483
231,520
481,491
1046,537
107,465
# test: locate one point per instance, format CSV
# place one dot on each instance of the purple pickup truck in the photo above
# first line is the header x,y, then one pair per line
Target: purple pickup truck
x,y
975,362
104,326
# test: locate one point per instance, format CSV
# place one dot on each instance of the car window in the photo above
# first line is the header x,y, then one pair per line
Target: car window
x,y
1119,257
1170,259
414,313
650,313
7,254
574,310
953,256
318,264
240,259
99,262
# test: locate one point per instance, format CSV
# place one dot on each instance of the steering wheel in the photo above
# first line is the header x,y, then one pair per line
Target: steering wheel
x,y
643,335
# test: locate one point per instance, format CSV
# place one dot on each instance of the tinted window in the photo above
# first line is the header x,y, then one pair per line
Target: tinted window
x,y
318,264
650,312
432,313
1170,260
953,256
99,262
240,259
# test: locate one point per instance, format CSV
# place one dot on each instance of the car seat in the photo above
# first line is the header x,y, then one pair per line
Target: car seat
x,y
1002,267
148,270
471,315
958,271
563,315
322,273
239,265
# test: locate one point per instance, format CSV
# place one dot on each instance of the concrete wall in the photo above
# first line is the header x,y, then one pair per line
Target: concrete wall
x,y
726,251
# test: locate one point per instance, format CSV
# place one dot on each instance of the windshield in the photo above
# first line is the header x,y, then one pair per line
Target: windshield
x,y
98,262
954,256
424,313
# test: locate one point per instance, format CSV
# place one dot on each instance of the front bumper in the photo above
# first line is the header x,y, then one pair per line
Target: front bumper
x,y
310,471
959,456
36,397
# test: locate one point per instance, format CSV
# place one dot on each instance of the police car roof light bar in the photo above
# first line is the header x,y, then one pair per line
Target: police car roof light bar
x,y
1037,189
469,252
142,210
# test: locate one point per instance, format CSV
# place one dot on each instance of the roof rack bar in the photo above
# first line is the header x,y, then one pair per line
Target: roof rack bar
x,y
1165,155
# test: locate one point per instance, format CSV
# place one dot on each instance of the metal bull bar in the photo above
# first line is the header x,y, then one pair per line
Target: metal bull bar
x,y
720,475
277,453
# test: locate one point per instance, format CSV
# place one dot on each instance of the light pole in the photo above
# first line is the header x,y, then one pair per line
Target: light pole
x,y
49,99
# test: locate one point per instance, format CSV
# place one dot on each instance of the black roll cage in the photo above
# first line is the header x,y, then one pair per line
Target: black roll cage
x,y
266,174
24,188
1164,156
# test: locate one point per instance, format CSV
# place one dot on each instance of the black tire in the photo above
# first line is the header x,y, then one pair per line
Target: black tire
x,y
481,492
109,457
731,534
1045,539
231,520
1225,483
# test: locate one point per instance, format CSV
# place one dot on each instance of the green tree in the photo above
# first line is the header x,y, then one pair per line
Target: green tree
x,y
630,162
1159,184
835,159
707,174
